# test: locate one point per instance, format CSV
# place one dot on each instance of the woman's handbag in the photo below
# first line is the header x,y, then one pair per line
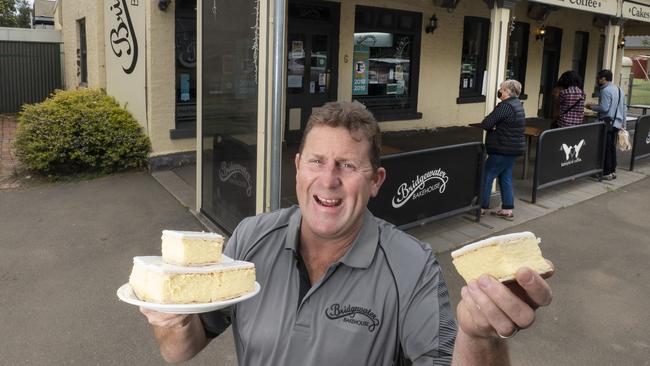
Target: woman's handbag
x,y
623,140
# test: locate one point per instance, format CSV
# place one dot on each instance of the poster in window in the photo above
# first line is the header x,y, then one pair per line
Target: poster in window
x,y
297,49
360,72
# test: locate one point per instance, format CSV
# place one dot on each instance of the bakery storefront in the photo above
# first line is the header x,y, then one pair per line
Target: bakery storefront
x,y
417,65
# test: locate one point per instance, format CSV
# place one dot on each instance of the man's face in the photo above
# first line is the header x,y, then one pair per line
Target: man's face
x,y
334,181
601,81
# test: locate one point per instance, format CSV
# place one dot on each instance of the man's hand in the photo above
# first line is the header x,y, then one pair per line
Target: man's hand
x,y
165,320
589,105
490,309
180,337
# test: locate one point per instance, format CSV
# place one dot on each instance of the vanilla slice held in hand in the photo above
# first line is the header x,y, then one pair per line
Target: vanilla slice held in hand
x,y
500,256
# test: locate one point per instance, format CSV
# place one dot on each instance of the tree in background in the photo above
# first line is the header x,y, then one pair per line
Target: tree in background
x,y
15,14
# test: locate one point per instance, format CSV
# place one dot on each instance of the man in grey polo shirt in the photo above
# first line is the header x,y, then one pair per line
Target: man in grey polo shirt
x,y
341,287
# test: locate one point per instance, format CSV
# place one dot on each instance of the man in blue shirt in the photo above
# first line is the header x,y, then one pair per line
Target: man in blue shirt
x,y
612,110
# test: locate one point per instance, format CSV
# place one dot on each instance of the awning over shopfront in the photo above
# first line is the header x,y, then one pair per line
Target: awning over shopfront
x,y
607,7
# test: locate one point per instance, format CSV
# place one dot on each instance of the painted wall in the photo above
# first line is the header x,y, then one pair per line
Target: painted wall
x,y
151,95
69,13
440,58
161,75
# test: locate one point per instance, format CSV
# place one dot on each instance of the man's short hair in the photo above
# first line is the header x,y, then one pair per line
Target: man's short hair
x,y
604,73
513,86
354,117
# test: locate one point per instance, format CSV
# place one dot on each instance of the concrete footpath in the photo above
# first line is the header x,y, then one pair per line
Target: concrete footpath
x,y
67,247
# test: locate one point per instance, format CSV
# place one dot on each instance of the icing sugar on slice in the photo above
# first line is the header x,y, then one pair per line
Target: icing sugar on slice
x,y
492,241
155,263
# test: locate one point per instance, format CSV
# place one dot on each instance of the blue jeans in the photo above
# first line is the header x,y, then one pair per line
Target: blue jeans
x,y
499,166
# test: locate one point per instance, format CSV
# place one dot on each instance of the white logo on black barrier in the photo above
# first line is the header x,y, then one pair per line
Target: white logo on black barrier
x,y
647,139
572,153
238,175
419,188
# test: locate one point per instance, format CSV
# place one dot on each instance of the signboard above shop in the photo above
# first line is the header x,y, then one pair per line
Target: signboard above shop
x,y
636,11
608,7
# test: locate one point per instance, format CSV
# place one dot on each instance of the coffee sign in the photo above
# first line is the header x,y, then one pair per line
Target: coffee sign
x,y
609,7
636,11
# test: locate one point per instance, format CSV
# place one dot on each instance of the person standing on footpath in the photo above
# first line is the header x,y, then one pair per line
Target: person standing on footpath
x,y
612,110
342,287
505,141
572,100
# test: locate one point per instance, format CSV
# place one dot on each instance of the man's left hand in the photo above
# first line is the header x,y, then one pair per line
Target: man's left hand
x,y
490,309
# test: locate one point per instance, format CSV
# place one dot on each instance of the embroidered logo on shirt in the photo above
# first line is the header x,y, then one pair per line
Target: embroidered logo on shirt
x,y
355,315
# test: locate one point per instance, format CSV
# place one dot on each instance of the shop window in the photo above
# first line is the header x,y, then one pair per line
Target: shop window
x,y
82,53
518,55
386,62
473,59
185,69
580,48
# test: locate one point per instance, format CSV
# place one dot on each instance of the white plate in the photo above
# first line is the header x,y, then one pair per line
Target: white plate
x,y
126,294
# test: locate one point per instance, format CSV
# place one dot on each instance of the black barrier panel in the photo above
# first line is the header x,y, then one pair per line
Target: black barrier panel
x,y
234,181
641,145
567,153
430,184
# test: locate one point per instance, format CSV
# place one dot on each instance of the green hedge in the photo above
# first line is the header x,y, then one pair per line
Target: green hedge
x,y
79,131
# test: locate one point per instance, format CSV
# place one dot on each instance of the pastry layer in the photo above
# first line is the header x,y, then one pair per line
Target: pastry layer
x,y
158,282
190,248
500,257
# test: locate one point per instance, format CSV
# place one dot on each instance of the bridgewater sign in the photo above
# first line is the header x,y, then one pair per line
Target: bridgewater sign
x,y
609,7
636,11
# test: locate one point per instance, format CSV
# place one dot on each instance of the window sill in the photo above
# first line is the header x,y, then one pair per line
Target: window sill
x,y
182,133
467,100
397,116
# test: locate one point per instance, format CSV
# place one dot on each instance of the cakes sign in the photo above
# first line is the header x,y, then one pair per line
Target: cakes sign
x,y
636,11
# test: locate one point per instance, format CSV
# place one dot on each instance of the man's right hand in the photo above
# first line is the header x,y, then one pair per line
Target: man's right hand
x,y
166,320
180,336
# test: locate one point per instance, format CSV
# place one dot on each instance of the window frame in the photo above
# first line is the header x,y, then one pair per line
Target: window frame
x,y
523,59
384,108
184,119
83,51
475,95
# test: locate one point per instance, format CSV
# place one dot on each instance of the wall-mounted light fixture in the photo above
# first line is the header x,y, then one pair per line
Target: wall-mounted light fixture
x,y
621,43
163,4
540,32
432,25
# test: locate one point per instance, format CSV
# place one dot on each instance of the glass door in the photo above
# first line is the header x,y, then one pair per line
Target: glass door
x,y
229,112
312,62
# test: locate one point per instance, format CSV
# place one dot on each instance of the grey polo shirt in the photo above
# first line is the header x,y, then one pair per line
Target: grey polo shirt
x,y
386,295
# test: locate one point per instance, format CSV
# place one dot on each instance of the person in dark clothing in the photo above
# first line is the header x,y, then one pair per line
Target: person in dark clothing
x,y
504,142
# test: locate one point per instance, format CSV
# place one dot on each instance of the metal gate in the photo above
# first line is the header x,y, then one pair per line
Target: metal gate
x,y
29,72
